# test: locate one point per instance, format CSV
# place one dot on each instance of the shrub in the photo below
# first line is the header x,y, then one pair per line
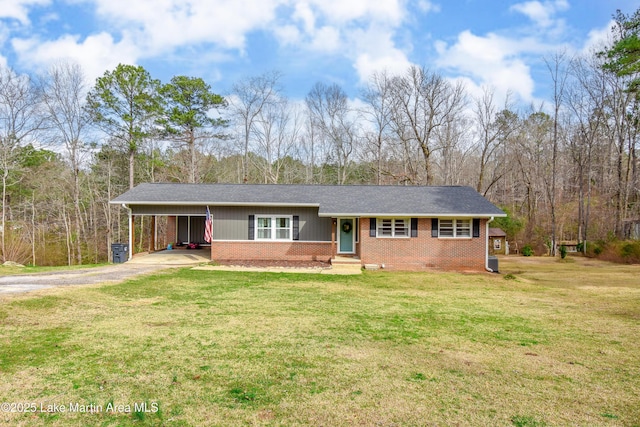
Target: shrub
x,y
527,251
630,251
563,251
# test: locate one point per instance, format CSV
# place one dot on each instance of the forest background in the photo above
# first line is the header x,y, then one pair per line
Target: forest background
x,y
567,169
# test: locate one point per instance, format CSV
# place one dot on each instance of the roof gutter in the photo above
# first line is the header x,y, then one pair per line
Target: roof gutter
x,y
486,253
407,215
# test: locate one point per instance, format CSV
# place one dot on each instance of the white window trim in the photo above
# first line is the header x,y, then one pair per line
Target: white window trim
x,y
273,228
407,222
455,228
498,246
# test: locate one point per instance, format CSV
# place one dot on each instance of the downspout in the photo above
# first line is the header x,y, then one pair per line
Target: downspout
x,y
130,231
486,248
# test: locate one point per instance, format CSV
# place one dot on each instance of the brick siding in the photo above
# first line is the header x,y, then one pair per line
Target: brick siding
x,y
171,230
423,252
271,251
417,253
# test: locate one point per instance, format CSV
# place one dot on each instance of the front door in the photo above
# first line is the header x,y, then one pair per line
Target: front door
x,y
346,235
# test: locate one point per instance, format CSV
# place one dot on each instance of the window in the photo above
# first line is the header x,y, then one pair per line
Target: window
x,y
264,228
497,244
455,228
273,227
283,228
393,227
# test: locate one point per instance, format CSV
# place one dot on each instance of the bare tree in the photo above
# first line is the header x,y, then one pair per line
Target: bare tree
x,y
19,120
276,130
63,91
453,154
559,73
423,102
585,100
330,113
493,127
378,97
620,128
248,99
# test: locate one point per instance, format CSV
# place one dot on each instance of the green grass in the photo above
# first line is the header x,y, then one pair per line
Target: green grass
x,y
556,344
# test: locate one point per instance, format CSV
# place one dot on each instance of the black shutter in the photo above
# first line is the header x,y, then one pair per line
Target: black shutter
x,y
252,227
414,227
296,227
434,227
476,227
372,227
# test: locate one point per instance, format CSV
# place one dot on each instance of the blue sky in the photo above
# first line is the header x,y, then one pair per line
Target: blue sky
x,y
495,43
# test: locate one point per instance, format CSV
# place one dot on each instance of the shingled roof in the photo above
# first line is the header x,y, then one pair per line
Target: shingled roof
x,y
331,200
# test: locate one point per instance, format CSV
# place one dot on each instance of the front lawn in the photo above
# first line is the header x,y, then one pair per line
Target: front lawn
x,y
546,343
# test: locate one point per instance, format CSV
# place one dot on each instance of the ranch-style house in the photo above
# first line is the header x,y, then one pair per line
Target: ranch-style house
x,y
392,227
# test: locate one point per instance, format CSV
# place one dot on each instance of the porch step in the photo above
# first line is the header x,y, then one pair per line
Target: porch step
x,y
345,265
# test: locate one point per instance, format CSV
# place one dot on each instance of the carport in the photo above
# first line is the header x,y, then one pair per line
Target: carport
x,y
184,224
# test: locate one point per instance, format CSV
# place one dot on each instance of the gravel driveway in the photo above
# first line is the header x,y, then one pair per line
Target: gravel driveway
x,y
140,264
111,273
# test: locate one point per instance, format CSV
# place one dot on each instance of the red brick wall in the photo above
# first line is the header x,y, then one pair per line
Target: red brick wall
x,y
424,251
171,230
271,251
417,253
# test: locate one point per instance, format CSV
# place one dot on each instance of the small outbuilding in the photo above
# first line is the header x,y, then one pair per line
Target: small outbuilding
x,y
570,245
498,244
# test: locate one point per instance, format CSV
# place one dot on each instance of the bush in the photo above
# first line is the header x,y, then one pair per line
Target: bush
x,y
625,252
527,251
630,250
563,251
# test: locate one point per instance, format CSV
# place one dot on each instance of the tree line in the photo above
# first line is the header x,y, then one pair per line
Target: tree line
x,y
567,169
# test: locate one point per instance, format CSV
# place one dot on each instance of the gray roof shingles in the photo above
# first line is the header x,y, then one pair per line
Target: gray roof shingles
x,y
332,200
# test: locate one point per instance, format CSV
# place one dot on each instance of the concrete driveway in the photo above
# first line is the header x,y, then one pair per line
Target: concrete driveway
x,y
140,264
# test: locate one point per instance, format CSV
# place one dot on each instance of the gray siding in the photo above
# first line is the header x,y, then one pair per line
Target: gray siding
x,y
231,223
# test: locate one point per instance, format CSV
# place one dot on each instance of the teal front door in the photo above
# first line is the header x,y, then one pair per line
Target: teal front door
x,y
346,235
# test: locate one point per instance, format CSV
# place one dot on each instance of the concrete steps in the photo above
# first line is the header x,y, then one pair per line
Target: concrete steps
x,y
345,265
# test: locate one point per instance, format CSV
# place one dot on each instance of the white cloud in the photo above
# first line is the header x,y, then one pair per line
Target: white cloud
x,y
304,14
598,39
152,28
490,60
95,54
288,35
19,9
162,25
359,30
327,40
428,6
376,51
343,11
542,13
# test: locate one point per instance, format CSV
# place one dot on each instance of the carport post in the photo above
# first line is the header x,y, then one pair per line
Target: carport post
x,y
154,233
132,233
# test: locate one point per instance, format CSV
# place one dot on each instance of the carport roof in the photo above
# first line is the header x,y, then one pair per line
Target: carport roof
x,y
331,200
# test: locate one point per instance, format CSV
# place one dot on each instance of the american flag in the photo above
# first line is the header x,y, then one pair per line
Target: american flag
x,y
208,227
